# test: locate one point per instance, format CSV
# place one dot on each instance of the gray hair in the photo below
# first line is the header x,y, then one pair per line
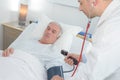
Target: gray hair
x,y
61,30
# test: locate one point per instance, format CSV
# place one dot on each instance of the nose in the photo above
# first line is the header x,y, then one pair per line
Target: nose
x,y
49,31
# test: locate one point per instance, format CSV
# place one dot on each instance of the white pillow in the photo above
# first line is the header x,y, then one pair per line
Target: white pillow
x,y
64,42
36,31
40,26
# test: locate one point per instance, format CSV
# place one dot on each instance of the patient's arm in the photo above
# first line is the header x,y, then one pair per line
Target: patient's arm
x,y
7,52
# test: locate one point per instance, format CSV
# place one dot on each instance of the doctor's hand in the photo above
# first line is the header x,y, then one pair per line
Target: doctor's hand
x,y
7,52
69,60
57,77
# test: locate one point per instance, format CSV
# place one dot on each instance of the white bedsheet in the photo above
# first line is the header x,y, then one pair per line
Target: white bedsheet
x,y
21,66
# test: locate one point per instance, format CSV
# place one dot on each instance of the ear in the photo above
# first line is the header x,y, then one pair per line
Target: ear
x,y
94,2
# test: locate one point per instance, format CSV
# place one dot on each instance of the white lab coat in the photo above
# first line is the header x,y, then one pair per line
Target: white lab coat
x,y
104,57
106,44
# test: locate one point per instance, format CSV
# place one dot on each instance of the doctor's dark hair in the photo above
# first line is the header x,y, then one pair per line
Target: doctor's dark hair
x,y
61,31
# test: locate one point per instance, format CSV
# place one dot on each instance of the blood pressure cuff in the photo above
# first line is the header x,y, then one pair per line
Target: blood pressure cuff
x,y
56,70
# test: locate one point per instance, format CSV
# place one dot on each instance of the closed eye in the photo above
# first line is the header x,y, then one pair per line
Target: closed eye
x,y
54,31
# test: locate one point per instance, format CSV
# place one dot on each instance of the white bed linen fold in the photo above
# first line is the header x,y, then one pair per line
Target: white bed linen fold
x,y
21,66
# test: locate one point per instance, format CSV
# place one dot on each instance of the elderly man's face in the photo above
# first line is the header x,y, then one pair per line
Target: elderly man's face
x,y
51,33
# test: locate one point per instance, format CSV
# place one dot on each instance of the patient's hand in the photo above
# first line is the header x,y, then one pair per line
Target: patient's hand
x,y
7,52
57,78
69,60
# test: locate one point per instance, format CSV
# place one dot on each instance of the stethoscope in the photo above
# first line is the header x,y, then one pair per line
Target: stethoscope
x,y
82,48
84,39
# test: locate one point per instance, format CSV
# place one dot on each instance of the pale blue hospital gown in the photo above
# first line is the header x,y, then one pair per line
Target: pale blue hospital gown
x,y
47,54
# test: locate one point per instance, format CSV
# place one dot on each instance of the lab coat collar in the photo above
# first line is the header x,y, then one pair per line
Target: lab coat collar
x,y
108,11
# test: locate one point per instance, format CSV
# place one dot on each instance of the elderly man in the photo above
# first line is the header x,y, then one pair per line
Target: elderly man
x,y
43,49
51,34
104,56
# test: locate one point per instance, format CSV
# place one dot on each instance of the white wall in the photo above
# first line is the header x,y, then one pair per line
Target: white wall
x,y
66,14
70,15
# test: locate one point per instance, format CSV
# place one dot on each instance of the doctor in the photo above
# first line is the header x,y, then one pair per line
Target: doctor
x,y
103,60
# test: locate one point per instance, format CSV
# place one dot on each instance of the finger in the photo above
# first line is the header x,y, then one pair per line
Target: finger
x,y
66,60
4,53
7,52
70,61
11,50
67,57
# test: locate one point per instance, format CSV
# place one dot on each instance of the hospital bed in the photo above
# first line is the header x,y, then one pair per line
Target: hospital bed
x,y
23,66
